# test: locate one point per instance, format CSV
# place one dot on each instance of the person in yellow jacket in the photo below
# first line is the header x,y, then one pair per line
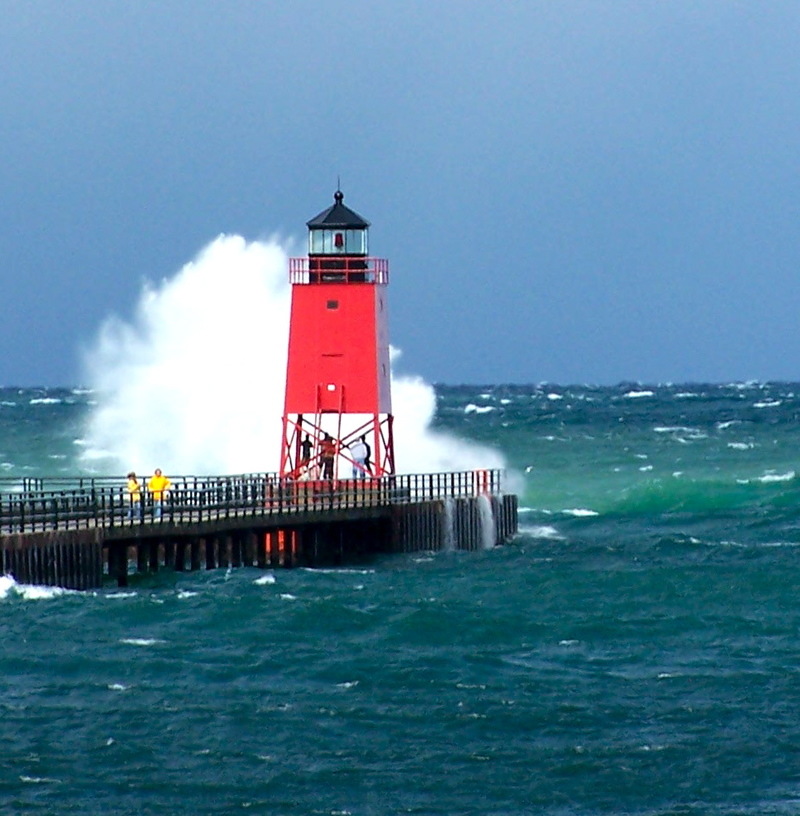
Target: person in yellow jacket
x,y
158,487
134,495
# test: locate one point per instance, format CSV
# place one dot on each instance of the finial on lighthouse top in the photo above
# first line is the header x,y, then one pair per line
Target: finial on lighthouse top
x,y
338,230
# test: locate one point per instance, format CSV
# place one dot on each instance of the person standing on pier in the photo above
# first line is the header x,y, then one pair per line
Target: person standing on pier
x,y
306,447
134,496
158,487
367,457
359,452
327,452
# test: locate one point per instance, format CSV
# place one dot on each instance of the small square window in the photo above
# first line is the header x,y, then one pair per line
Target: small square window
x,y
333,304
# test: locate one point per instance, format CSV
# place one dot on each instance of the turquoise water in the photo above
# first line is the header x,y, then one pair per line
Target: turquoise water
x,y
634,650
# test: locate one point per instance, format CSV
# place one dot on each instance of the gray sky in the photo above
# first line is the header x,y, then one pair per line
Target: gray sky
x,y
567,191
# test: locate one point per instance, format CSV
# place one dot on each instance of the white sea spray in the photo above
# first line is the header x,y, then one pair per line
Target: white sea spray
x,y
202,363
29,592
265,580
487,526
7,583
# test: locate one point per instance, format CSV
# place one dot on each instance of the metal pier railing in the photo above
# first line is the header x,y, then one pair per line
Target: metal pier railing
x,y
59,503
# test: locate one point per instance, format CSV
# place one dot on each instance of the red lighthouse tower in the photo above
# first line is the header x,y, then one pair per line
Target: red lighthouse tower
x,y
338,387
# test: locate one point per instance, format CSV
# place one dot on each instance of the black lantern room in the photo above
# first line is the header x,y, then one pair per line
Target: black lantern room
x,y
338,231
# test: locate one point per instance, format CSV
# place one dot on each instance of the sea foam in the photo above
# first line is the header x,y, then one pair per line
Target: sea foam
x,y
141,641
771,477
7,583
29,592
543,531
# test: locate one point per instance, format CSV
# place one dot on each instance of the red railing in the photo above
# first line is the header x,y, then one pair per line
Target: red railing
x,y
330,269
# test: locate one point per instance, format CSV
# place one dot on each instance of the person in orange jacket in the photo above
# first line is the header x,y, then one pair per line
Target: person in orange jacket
x,y
327,453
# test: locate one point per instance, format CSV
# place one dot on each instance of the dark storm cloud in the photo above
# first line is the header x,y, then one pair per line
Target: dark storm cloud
x,y
584,191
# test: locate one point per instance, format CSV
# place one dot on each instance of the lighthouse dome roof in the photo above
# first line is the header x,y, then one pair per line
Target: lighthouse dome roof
x,y
338,216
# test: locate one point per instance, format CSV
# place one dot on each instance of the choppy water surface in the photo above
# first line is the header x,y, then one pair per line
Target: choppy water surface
x,y
633,651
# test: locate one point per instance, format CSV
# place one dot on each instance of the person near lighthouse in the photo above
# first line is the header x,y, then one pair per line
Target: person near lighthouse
x,y
306,448
327,452
359,452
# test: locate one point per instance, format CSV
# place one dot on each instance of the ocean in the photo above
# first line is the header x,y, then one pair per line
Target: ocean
x,y
634,650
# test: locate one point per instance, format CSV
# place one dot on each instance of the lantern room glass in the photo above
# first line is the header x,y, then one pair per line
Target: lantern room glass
x,y
325,242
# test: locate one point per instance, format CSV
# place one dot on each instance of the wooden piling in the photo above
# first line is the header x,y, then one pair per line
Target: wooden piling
x,y
249,548
227,550
194,554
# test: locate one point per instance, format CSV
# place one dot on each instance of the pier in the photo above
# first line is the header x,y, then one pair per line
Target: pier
x,y
79,533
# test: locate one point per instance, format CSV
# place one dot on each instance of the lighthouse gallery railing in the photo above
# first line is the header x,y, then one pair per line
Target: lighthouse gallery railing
x,y
333,269
41,504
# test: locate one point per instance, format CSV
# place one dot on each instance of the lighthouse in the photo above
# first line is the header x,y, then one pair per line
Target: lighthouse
x,y
338,378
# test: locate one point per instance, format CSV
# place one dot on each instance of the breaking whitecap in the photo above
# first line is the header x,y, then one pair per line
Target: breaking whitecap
x,y
141,641
29,592
770,476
